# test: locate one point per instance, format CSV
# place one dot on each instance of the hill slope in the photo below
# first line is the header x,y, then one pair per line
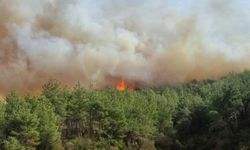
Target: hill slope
x,y
198,115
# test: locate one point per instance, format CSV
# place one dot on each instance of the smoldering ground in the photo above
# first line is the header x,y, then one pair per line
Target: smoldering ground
x,y
97,42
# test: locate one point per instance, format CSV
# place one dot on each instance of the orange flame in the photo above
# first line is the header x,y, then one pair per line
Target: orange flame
x,y
121,86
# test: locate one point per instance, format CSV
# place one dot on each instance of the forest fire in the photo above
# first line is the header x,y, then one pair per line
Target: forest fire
x,y
121,86
124,74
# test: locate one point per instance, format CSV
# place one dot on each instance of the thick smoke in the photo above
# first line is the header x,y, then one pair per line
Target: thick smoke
x,y
98,42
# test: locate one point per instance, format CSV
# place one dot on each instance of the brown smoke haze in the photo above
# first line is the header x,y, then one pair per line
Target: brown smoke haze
x,y
98,42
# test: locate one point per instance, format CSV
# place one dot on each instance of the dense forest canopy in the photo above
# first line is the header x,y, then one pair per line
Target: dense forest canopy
x,y
198,115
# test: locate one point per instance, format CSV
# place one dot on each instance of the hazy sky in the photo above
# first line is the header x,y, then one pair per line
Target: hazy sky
x,y
98,42
221,19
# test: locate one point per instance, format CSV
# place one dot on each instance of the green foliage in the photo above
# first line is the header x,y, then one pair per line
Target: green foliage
x,y
57,96
197,115
12,144
21,123
48,123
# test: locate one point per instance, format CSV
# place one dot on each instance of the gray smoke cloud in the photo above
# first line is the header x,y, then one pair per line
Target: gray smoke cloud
x,y
98,42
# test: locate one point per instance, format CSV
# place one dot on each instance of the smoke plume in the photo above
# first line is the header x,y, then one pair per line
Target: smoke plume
x,y
98,42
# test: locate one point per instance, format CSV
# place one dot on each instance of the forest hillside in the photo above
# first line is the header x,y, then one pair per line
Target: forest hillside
x,y
200,115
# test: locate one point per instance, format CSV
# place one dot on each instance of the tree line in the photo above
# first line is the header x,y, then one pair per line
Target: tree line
x,y
200,115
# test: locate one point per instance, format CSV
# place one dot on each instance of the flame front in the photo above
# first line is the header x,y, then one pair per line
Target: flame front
x,y
121,86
